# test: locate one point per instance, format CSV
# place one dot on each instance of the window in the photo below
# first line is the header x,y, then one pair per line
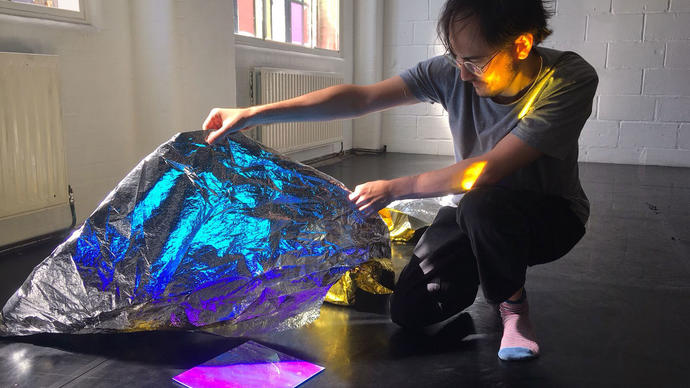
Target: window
x,y
307,23
71,5
64,10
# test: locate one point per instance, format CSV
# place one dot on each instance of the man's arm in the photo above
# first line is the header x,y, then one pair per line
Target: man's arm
x,y
335,102
507,156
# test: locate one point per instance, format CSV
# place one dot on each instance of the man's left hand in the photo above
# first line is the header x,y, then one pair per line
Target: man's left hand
x,y
372,196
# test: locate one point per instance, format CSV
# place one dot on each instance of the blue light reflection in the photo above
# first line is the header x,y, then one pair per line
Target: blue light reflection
x,y
198,235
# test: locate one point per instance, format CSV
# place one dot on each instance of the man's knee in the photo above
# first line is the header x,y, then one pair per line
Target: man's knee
x,y
401,312
417,308
480,206
413,308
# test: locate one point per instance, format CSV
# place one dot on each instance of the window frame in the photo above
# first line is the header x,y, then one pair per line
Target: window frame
x,y
8,7
253,41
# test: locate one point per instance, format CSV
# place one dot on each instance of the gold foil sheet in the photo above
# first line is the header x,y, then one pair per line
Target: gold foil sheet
x,y
404,219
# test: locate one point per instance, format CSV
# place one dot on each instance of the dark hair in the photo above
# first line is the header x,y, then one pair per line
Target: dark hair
x,y
500,21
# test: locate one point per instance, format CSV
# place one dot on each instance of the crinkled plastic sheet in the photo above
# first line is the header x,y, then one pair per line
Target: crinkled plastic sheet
x,y
407,217
406,220
249,365
231,238
375,277
424,209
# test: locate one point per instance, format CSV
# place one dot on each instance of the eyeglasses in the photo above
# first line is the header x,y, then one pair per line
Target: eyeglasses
x,y
470,66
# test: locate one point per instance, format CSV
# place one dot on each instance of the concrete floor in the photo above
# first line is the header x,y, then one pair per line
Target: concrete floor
x,y
614,312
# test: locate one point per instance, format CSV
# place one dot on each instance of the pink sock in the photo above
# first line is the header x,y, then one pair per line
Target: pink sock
x,y
519,341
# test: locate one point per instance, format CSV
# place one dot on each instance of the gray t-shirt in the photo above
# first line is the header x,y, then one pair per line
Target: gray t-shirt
x,y
549,117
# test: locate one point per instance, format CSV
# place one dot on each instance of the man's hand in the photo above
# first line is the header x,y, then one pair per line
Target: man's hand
x,y
371,197
222,122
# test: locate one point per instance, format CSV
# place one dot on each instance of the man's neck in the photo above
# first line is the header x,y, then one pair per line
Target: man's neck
x,y
525,76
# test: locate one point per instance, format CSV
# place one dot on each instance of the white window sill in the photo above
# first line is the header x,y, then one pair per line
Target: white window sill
x,y
40,12
252,42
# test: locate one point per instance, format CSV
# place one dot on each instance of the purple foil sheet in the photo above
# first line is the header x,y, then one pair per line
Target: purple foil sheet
x,y
232,238
249,365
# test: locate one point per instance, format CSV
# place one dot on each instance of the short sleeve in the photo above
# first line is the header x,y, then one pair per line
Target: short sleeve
x,y
553,122
430,80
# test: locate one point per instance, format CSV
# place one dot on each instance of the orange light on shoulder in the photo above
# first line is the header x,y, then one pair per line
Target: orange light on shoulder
x,y
534,92
471,174
530,102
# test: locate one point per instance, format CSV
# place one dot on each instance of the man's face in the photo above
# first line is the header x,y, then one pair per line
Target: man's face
x,y
468,44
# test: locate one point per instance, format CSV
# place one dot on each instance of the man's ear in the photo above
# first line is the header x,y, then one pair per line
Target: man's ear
x,y
523,45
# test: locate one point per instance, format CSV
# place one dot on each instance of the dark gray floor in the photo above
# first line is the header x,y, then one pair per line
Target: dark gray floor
x,y
613,312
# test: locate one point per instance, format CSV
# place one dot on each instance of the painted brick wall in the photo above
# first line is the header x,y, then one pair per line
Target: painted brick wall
x,y
641,50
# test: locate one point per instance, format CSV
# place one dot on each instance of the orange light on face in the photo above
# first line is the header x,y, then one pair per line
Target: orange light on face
x,y
471,174
496,74
491,78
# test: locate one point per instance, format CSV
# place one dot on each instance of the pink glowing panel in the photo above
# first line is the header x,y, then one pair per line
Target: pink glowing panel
x,y
249,365
297,18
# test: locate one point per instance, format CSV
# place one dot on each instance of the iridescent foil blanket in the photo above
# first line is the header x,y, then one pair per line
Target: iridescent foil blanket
x,y
232,238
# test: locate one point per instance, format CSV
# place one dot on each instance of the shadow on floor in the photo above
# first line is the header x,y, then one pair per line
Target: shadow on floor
x,y
176,349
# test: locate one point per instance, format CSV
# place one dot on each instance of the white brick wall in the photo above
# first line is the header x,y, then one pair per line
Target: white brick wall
x,y
667,26
410,37
613,28
619,107
680,5
623,6
678,54
684,137
648,135
624,81
601,133
674,109
641,50
635,55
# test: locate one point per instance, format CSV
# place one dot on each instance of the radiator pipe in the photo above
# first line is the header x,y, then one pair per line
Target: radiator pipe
x,y
71,207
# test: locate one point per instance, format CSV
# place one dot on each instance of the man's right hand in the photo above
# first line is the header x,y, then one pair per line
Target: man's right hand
x,y
222,122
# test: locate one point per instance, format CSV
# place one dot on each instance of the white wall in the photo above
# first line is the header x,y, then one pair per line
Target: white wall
x,y
641,50
409,36
130,80
368,68
96,93
183,65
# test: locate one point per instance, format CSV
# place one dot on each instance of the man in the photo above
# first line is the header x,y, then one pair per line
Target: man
x,y
515,112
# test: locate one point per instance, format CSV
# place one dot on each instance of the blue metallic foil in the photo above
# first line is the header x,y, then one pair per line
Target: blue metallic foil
x,y
232,238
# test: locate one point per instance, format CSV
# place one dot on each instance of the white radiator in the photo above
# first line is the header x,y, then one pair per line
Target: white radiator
x,y
272,85
33,178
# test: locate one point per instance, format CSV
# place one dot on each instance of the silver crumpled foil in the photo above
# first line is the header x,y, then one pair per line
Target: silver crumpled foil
x,y
424,209
232,238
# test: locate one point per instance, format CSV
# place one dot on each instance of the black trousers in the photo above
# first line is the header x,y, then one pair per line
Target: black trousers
x,y
489,239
